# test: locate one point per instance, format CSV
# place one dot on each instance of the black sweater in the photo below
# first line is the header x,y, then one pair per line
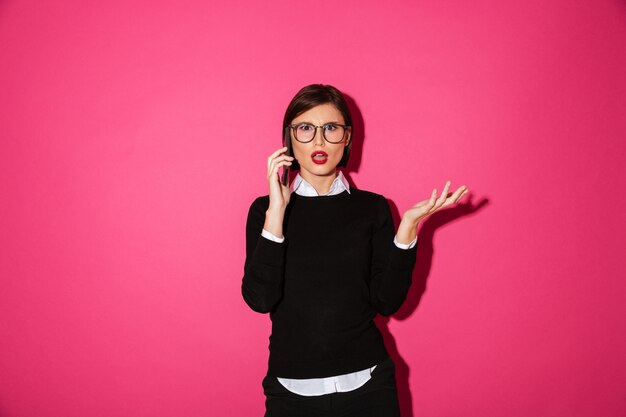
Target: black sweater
x,y
323,285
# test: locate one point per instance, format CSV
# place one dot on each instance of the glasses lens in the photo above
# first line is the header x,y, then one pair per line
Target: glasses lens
x,y
333,133
304,132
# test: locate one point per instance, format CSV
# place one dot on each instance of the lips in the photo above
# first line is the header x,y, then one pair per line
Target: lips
x,y
319,157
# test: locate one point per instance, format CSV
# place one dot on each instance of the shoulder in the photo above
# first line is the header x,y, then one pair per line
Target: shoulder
x,y
259,206
261,201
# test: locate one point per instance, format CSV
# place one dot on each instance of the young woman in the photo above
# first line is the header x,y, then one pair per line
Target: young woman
x,y
323,258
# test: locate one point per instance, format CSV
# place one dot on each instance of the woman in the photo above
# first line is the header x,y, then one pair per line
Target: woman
x,y
322,259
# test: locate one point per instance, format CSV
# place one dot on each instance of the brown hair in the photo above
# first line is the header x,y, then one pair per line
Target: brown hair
x,y
308,97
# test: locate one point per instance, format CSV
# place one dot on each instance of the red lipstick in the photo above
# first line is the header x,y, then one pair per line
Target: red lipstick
x,y
319,157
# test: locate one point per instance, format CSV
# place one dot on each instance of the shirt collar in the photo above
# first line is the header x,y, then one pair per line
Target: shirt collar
x,y
302,187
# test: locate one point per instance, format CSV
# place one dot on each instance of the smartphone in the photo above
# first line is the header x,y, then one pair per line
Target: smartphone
x,y
285,178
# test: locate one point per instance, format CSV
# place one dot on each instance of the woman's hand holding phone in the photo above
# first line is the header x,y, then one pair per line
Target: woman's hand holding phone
x,y
279,193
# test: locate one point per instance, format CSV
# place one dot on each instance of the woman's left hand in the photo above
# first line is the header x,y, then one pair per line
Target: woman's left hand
x,y
408,225
425,208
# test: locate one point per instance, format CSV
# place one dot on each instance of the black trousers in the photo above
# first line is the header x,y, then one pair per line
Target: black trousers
x,y
378,397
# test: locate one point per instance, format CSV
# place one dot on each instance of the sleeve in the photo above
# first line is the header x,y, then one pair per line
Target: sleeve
x,y
264,267
271,236
405,245
392,266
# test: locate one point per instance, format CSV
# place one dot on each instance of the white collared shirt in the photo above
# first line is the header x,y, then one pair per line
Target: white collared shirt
x,y
338,383
302,186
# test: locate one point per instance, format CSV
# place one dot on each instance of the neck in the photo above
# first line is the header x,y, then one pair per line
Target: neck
x,y
320,183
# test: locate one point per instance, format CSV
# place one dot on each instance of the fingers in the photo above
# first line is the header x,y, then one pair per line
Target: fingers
x,y
460,192
280,161
435,203
446,198
275,155
276,160
275,166
443,197
431,201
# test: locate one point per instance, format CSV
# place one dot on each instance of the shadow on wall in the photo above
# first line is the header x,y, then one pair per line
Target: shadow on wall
x,y
424,258
358,136
423,264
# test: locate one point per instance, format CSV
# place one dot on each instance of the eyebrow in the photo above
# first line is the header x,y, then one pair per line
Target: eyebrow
x,y
311,123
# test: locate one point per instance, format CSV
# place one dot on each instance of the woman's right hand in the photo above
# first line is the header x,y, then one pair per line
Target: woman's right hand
x,y
279,193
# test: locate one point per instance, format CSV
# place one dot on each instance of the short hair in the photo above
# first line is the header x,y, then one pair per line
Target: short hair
x,y
311,96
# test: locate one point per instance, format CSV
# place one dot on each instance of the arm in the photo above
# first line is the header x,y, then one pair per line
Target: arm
x,y
262,283
392,266
264,268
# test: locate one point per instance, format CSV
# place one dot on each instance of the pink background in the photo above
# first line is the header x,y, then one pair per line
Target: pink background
x,y
134,136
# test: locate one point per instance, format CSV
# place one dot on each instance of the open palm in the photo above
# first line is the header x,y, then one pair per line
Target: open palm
x,y
421,210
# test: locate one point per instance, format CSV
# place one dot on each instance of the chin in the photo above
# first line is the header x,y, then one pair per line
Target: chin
x,y
322,170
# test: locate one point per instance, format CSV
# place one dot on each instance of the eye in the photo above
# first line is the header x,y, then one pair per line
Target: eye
x,y
304,127
330,127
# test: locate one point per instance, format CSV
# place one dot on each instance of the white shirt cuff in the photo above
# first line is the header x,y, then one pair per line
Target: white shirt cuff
x,y
271,236
405,245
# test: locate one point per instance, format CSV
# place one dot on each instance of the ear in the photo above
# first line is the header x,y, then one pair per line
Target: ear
x,y
347,141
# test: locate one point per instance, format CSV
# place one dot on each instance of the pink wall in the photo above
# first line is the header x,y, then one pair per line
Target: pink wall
x,y
134,136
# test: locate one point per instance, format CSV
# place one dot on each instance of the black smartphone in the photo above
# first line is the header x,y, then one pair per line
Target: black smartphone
x,y
285,178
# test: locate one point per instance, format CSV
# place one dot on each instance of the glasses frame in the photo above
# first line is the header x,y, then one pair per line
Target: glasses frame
x,y
345,129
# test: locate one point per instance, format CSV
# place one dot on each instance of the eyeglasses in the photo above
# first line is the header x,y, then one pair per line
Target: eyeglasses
x,y
332,132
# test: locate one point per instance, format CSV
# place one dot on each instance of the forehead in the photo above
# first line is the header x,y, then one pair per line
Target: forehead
x,y
323,113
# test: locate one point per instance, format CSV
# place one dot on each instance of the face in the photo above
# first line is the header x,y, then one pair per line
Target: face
x,y
303,152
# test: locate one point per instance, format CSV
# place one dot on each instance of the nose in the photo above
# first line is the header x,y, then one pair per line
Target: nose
x,y
318,139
